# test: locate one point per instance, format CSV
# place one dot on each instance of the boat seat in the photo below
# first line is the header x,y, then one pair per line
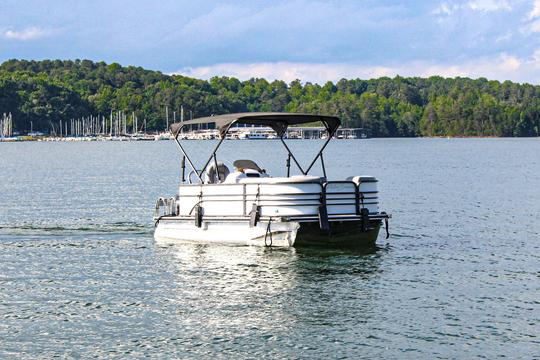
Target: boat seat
x,y
362,178
253,173
247,164
210,174
249,168
237,175
234,177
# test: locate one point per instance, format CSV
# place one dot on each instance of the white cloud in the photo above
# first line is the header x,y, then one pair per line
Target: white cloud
x,y
489,5
445,8
30,33
287,71
532,19
534,27
536,57
502,67
504,37
448,8
535,12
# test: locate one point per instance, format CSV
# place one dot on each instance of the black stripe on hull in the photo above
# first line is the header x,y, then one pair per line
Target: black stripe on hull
x,y
347,234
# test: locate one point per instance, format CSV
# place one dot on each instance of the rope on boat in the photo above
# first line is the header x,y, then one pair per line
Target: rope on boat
x,y
198,210
386,226
268,232
198,203
255,212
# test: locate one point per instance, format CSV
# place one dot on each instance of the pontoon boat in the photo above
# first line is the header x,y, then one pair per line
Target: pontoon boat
x,y
243,205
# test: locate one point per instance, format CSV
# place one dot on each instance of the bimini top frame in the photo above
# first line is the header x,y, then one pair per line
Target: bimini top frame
x,y
278,121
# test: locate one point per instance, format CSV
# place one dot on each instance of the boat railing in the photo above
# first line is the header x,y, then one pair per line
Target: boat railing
x,y
282,199
166,207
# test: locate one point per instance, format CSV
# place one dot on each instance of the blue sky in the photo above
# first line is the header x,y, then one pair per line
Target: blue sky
x,y
310,40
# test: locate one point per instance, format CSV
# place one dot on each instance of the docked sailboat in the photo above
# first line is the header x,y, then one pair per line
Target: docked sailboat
x,y
241,204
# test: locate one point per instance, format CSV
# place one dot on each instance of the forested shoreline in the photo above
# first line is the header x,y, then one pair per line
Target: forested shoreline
x,y
44,92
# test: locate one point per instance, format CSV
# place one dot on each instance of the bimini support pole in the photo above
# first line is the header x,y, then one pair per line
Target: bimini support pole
x,y
288,165
187,157
217,170
292,156
330,135
213,156
183,168
323,167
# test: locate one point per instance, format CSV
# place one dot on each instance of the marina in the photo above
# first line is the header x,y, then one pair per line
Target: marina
x,y
120,127
236,133
6,127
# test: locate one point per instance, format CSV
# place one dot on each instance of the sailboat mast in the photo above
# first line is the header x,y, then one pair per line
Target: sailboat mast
x,y
167,116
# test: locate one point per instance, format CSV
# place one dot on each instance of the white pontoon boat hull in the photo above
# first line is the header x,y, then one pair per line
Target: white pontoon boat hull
x,y
288,213
277,234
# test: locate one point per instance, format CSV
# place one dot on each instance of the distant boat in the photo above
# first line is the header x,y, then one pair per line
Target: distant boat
x,y
35,133
162,136
252,135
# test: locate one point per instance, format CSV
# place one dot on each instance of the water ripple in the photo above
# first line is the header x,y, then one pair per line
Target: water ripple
x,y
80,275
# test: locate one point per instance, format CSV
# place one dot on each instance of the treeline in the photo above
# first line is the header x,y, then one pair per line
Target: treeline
x,y
44,92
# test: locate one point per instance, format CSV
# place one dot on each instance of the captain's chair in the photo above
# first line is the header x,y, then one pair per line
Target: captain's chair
x,y
213,175
249,168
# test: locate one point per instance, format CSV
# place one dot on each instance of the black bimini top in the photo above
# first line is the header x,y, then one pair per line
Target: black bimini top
x,y
278,121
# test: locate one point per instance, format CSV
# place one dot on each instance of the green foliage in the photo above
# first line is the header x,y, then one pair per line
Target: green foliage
x,y
48,91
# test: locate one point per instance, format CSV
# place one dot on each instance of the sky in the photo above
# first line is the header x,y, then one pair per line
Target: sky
x,y
314,41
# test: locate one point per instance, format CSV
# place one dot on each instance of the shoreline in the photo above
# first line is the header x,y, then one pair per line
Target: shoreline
x,y
161,138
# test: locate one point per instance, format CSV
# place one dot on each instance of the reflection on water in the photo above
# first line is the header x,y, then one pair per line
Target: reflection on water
x,y
255,297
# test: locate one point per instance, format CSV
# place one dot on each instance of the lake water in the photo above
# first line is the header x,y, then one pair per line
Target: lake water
x,y
80,275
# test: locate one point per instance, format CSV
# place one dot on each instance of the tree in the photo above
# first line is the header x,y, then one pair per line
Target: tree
x,y
52,90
